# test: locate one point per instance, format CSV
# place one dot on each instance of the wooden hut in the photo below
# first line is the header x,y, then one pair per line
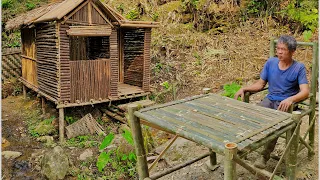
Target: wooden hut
x,y
82,52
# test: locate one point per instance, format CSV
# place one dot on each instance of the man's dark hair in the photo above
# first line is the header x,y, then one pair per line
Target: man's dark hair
x,y
289,41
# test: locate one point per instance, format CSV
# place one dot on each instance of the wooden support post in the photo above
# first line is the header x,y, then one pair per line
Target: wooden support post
x,y
314,88
24,90
43,105
142,165
61,125
293,150
230,165
272,48
288,136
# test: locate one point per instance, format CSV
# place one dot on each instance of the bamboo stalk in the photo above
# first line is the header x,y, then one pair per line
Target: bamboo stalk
x,y
229,165
177,167
162,153
292,156
142,165
314,79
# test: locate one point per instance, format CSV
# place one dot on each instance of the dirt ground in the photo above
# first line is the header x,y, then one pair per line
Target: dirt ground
x,y
15,110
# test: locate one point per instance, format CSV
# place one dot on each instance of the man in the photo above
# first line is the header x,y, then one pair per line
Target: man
x,y
288,84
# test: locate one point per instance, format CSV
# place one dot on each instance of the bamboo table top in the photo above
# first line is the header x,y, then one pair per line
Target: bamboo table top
x,y
213,120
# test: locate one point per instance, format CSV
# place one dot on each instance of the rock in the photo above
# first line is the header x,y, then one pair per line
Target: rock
x,y
55,164
85,155
96,113
11,154
4,143
123,127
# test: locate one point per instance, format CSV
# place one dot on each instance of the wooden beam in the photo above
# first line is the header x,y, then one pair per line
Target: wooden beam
x,y
90,13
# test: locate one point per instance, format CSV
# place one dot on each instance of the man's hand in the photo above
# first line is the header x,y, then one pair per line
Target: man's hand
x,y
285,105
239,93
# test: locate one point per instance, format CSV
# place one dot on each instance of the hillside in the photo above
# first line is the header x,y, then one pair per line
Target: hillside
x,y
203,43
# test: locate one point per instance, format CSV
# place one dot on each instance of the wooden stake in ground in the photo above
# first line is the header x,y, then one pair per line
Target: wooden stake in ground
x,y
61,125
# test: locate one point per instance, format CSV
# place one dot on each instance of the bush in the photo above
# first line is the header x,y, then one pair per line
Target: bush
x,y
6,4
30,6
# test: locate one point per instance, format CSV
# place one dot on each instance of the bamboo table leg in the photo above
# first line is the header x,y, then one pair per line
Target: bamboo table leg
x,y
229,164
212,162
61,125
142,165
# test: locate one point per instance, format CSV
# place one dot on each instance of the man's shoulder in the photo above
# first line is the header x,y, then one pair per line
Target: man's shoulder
x,y
299,65
272,60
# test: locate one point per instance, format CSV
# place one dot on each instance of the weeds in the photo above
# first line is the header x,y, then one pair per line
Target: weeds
x,y
82,142
122,164
231,89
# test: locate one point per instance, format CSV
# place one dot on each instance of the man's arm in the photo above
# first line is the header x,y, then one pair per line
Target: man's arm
x,y
302,95
257,86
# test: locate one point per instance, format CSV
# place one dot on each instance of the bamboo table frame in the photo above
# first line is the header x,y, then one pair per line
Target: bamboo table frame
x,y
228,127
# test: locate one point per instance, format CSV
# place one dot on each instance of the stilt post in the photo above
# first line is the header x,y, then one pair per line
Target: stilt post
x,y
24,90
230,165
142,165
43,105
61,125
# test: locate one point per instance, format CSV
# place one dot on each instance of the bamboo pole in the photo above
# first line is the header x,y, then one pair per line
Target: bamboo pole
x,y
292,144
142,165
162,153
230,165
177,167
272,47
61,125
314,88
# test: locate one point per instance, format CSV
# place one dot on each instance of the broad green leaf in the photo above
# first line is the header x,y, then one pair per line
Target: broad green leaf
x,y
127,135
106,141
103,160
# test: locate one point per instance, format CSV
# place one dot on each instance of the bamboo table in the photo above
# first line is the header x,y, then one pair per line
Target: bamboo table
x,y
228,127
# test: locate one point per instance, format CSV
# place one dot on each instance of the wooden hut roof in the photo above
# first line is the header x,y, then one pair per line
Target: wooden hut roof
x,y
57,10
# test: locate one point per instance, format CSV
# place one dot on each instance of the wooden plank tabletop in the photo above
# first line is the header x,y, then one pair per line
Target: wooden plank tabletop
x,y
213,120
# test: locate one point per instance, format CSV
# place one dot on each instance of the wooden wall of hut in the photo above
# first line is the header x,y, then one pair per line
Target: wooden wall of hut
x,y
47,59
28,57
114,63
65,75
133,56
89,80
147,60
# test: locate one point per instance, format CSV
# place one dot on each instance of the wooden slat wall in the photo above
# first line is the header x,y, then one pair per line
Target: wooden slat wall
x,y
89,80
11,63
96,17
114,63
29,65
64,44
147,60
133,54
47,60
81,15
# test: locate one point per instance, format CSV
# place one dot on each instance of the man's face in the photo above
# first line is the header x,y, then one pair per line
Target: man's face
x,y
283,52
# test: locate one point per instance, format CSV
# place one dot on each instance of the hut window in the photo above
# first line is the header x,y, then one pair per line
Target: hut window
x,y
89,48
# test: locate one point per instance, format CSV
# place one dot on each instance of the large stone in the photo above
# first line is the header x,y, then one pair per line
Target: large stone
x,y
11,154
55,164
85,155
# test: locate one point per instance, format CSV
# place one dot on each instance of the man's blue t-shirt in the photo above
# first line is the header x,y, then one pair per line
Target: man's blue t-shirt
x,y
283,83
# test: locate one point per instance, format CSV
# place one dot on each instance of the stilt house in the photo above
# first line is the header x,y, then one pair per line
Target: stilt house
x,y
81,52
